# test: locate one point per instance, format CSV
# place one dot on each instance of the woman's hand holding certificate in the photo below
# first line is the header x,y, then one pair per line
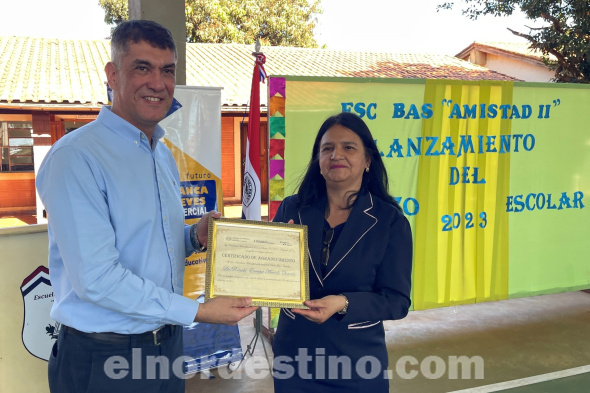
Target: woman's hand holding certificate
x,y
262,260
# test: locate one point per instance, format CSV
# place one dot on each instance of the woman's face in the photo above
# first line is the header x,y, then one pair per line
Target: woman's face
x,y
342,158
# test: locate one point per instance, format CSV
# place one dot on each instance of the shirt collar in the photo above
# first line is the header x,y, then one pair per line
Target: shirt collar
x,y
123,128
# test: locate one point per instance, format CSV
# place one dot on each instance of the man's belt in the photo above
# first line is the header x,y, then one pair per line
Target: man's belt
x,y
154,337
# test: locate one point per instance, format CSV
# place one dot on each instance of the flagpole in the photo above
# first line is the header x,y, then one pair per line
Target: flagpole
x,y
254,114
251,189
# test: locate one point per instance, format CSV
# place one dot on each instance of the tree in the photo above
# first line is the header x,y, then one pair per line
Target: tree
x,y
274,22
565,33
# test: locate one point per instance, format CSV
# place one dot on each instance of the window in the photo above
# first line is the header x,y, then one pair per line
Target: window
x,y
16,147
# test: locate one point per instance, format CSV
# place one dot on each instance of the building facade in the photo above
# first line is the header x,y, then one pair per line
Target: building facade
x,y
49,87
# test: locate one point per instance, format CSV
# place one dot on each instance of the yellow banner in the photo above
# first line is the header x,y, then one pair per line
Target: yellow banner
x,y
461,222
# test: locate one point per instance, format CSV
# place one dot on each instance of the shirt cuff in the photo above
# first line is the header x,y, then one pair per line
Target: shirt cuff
x,y
182,310
188,244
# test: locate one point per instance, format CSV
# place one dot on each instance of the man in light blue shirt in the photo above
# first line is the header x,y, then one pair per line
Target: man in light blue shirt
x,y
117,238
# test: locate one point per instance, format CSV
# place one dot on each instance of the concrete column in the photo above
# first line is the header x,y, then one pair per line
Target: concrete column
x,y
168,13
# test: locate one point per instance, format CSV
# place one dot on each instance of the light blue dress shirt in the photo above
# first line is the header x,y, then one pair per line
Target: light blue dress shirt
x,y
117,238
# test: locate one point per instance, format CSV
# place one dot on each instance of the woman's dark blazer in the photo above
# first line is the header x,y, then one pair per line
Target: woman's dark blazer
x,y
371,264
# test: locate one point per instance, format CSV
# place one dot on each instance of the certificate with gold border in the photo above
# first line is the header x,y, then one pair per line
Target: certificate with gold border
x,y
267,261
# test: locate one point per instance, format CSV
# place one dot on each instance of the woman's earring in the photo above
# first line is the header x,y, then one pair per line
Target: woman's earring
x,y
367,169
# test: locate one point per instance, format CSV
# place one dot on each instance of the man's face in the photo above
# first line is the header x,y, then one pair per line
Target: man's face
x,y
143,85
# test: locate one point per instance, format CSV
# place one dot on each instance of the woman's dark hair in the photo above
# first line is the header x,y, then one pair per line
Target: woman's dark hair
x,y
313,185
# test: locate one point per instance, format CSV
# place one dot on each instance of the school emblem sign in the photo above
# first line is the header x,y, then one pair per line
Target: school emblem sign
x,y
39,330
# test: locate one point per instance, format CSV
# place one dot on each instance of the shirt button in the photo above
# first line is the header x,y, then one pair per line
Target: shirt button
x,y
165,218
170,249
135,142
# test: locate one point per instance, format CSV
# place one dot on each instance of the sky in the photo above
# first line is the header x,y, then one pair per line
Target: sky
x,y
403,26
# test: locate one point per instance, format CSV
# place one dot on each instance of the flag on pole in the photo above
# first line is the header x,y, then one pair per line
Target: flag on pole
x,y
251,192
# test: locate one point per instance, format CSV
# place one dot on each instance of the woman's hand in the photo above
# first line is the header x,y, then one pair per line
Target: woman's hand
x,y
322,309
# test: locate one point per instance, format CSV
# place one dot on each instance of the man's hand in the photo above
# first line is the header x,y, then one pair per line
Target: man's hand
x,y
203,226
322,309
224,310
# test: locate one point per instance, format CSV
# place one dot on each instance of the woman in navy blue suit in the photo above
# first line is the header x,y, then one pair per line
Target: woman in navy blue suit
x,y
360,253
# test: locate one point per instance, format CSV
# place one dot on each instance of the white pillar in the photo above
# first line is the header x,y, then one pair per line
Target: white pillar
x,y
171,14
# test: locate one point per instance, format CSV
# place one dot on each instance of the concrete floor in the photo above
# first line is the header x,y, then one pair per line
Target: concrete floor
x,y
16,220
540,344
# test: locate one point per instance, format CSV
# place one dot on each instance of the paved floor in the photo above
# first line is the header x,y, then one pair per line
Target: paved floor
x,y
575,384
235,211
16,220
539,344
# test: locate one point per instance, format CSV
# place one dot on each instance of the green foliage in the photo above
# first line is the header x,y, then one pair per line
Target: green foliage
x,y
565,33
115,11
274,22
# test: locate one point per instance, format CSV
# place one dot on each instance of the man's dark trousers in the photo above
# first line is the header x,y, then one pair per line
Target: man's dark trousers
x,y
82,362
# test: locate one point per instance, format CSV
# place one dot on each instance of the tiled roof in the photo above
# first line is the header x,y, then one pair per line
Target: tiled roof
x,y
519,49
65,71
43,70
231,66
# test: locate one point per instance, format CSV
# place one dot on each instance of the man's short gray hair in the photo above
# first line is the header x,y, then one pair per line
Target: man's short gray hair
x,y
136,31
